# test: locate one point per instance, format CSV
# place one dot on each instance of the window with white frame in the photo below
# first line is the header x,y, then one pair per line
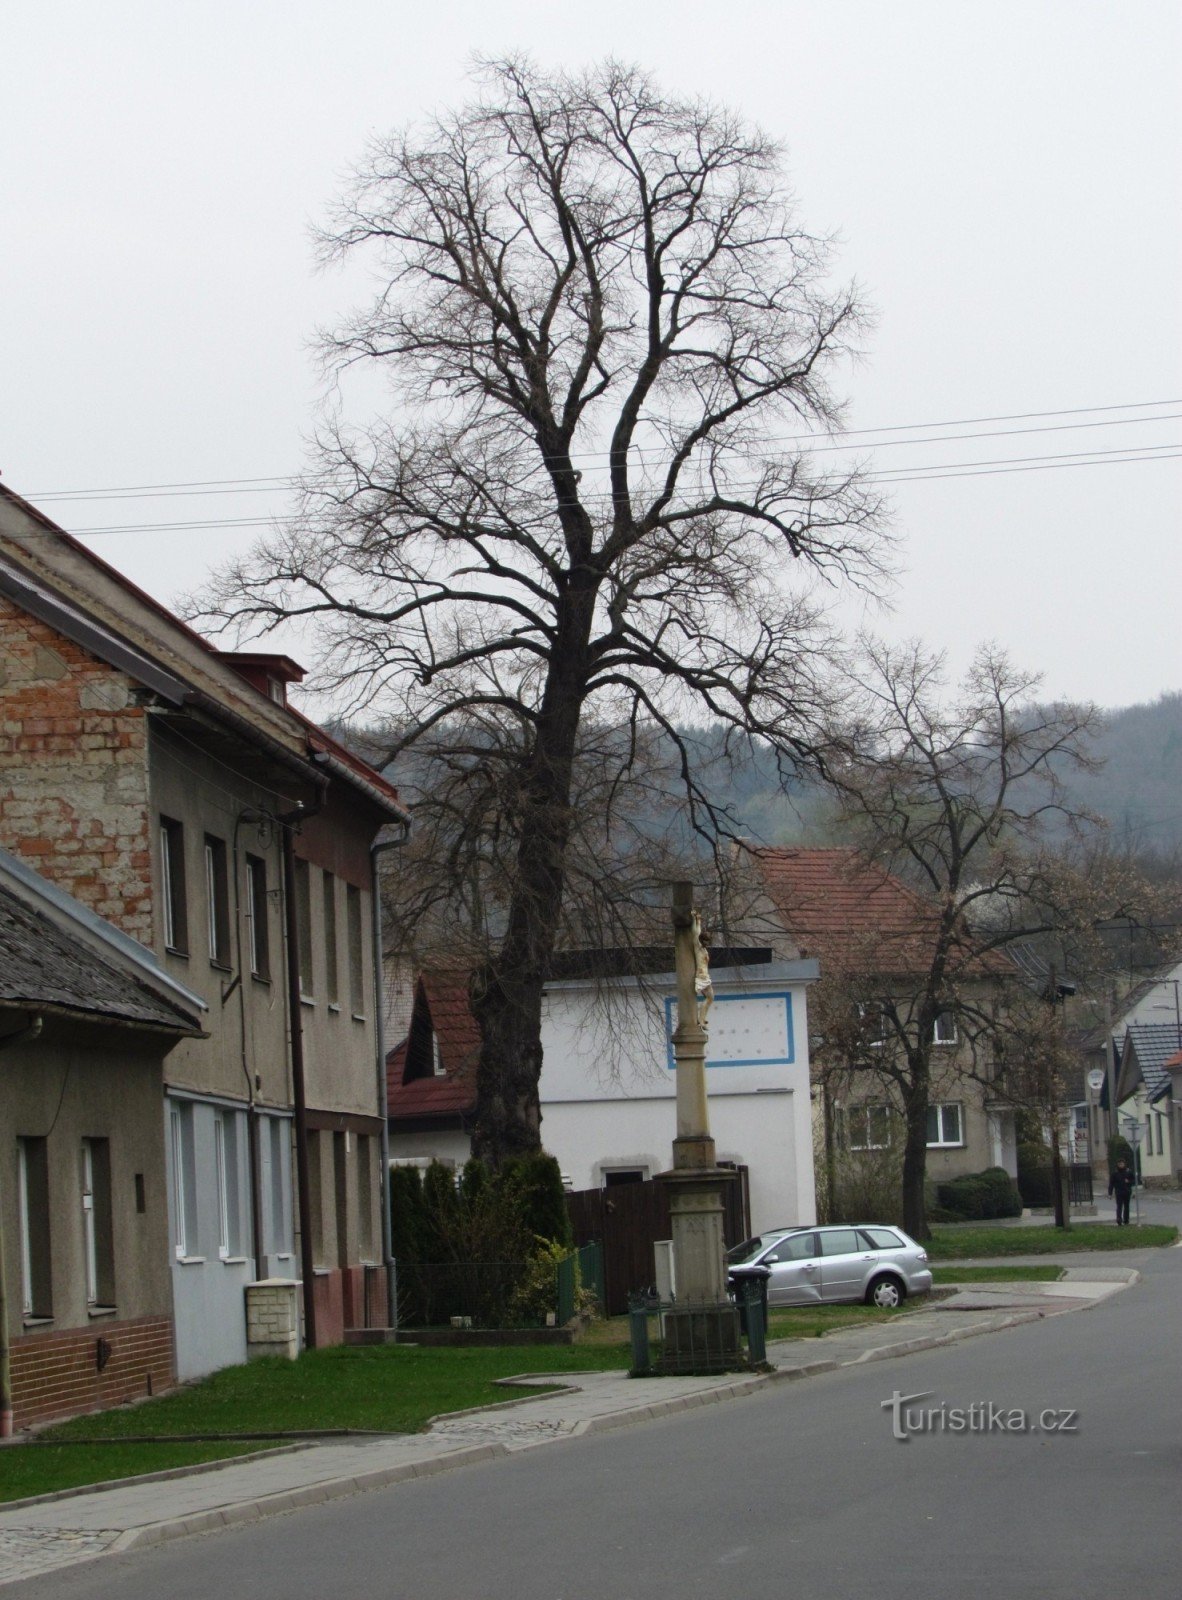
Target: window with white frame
x,y
356,950
868,1127
256,913
217,900
280,1153
945,1125
32,1194
219,1156
184,1180
97,1230
172,886
332,983
944,1029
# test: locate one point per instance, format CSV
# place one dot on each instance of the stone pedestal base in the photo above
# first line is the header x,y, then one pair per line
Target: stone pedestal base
x,y
701,1339
696,1215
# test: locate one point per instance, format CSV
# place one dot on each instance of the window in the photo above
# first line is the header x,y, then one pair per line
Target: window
x,y
944,1031
840,1242
872,1017
366,1195
280,1161
184,1181
303,908
225,1153
356,950
944,1125
331,973
882,1238
615,1175
32,1195
256,915
868,1127
340,1184
97,1232
217,900
172,885
796,1247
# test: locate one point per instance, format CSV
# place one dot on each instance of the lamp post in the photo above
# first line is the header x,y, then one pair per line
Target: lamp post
x,y
702,1327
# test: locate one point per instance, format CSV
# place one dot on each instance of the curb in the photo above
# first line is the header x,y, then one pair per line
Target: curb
x,y
311,1494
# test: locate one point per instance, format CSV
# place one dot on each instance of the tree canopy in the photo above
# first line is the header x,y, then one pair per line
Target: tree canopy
x,y
593,506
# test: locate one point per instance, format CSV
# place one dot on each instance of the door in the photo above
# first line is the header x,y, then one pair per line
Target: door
x,y
795,1271
845,1264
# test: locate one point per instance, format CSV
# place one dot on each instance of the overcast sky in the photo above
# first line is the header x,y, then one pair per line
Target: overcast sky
x,y
1004,178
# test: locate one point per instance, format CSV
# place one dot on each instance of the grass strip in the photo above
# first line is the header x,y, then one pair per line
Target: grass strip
x,y
46,1469
998,1274
950,1243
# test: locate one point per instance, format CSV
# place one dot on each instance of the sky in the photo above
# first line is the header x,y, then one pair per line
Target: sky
x,y
1003,179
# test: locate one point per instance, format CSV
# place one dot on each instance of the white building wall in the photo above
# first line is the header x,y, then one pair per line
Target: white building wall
x,y
609,1094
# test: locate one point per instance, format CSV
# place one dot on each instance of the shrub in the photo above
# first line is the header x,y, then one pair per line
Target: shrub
x,y
978,1196
536,1181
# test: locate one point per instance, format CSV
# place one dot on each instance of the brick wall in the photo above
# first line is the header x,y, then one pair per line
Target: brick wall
x,y
73,771
56,1374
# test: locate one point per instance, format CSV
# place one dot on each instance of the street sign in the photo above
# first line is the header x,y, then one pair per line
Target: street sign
x,y
1132,1130
1096,1079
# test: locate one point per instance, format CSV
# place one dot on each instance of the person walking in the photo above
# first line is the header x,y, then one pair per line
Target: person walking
x,y
1120,1184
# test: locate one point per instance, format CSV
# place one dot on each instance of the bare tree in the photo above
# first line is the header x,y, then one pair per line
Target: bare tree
x,y
610,341
953,793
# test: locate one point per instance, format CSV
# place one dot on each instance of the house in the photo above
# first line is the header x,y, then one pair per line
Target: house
x,y
87,1021
173,790
1154,1001
872,936
608,1088
1145,1096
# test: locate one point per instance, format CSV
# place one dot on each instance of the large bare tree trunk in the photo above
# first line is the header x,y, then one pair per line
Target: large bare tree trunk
x,y
508,995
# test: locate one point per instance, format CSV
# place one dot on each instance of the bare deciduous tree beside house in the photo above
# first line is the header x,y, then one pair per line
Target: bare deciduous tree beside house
x,y
609,339
953,791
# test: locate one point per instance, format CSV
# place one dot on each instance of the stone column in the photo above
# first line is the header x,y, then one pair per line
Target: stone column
x,y
702,1330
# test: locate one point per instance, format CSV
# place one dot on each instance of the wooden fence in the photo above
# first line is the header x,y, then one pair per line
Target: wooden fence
x,y
628,1217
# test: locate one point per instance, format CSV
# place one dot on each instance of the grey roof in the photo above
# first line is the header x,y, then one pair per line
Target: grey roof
x,y
45,965
1150,1045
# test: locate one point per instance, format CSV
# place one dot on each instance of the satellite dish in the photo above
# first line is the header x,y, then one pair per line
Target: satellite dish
x,y
1096,1079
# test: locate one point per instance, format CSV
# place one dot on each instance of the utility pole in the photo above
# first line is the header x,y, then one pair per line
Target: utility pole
x,y
702,1328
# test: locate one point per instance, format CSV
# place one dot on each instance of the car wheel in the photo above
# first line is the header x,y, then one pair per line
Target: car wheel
x,y
886,1293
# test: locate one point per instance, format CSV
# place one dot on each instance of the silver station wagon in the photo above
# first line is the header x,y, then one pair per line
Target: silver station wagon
x,y
881,1265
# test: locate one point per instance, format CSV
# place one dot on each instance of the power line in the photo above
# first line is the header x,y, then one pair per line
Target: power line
x,y
285,481
928,474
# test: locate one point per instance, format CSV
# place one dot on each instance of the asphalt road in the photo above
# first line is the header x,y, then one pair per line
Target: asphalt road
x,y
798,1490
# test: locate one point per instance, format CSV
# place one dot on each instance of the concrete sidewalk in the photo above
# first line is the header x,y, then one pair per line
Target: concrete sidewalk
x,y
39,1536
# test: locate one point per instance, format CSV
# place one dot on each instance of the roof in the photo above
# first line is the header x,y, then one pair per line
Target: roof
x,y
1148,1047
852,912
60,580
442,1017
56,959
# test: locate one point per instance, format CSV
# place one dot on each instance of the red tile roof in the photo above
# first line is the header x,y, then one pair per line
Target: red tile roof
x,y
413,1088
849,911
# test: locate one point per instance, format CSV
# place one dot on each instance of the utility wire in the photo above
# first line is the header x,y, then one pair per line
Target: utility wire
x,y
282,481
927,474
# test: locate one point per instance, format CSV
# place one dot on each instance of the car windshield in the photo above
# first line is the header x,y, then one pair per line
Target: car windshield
x,y
750,1248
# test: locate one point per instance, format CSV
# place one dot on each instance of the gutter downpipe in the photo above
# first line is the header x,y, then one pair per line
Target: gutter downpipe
x,y
298,1085
31,1031
376,849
